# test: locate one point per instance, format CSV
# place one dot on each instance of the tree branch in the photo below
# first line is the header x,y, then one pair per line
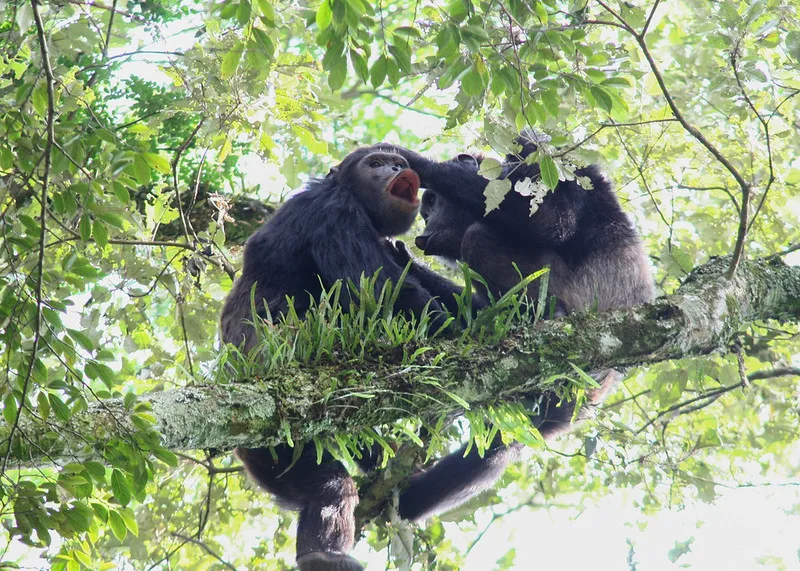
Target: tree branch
x,y
703,316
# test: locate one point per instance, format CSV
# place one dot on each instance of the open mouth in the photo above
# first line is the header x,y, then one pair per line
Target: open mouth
x,y
405,186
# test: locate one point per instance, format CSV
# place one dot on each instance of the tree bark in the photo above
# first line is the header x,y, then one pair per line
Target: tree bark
x,y
703,316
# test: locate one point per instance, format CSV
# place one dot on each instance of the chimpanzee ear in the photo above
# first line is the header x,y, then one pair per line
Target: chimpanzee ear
x,y
468,160
333,172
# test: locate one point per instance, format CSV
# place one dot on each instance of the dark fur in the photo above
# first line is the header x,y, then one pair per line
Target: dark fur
x,y
596,260
335,230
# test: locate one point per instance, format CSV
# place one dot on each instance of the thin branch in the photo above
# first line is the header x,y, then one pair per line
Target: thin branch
x,y
175,160
793,248
705,188
102,6
705,399
48,150
738,250
85,172
612,124
205,548
776,372
764,125
108,30
650,17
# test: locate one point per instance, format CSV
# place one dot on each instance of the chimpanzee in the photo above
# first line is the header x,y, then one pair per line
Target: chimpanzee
x,y
334,230
596,260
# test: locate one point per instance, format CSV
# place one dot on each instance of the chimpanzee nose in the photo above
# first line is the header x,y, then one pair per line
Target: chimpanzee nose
x,y
421,242
396,168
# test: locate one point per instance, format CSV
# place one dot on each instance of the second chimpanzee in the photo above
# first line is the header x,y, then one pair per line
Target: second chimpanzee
x,y
595,260
334,230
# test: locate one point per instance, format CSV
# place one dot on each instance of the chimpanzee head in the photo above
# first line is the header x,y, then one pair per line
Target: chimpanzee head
x,y
384,185
445,221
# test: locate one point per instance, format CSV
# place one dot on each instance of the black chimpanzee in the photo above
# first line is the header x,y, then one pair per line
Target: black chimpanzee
x,y
334,230
595,257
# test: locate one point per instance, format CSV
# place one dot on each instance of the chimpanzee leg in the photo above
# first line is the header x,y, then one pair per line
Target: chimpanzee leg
x,y
555,418
454,479
325,495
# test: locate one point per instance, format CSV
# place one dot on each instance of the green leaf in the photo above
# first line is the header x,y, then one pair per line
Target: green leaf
x,y
264,43
264,7
324,15
243,12
230,61
166,456
337,72
85,227
490,168
549,171
120,487
130,520
121,192
157,162
457,10
6,158
60,409
39,98
602,98
100,233
452,73
402,57
100,511
42,405
80,516
96,470
475,32
141,170
551,102
10,408
495,192
407,31
793,45
82,339
359,63
447,40
472,83
377,72
117,525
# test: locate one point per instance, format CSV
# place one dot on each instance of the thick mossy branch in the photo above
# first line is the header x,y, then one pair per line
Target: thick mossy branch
x,y
701,317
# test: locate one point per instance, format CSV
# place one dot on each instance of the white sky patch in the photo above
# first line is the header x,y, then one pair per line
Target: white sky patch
x,y
746,528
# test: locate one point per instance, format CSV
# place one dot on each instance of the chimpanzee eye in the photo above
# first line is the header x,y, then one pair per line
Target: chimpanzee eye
x,y
374,163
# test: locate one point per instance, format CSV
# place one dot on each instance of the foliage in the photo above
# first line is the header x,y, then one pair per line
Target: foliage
x,y
113,116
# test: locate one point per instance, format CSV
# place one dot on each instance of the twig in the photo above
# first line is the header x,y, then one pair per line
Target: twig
x,y
776,372
205,548
711,396
48,149
738,250
175,160
612,124
764,125
739,352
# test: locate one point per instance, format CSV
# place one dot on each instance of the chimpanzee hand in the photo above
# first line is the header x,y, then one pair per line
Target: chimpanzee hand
x,y
399,252
421,165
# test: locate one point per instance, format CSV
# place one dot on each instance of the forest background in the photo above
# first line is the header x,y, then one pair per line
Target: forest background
x,y
141,142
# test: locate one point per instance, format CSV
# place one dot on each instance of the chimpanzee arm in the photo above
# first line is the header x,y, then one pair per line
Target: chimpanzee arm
x,y
454,180
437,285
554,223
454,479
345,245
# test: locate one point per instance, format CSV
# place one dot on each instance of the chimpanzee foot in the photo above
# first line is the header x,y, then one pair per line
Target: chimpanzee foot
x,y
608,381
322,561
